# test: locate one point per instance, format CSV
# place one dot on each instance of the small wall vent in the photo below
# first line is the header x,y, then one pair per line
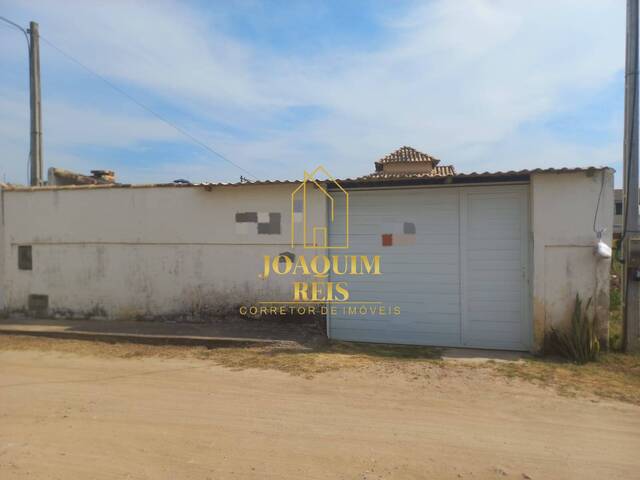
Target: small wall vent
x,y
38,304
25,259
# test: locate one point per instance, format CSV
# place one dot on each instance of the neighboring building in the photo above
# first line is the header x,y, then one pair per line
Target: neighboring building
x,y
407,162
618,207
489,260
61,177
617,212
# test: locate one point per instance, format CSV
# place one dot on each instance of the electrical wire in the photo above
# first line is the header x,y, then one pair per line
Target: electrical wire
x,y
160,117
26,36
14,24
595,216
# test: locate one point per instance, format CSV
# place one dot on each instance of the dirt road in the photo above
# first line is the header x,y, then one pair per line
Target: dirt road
x,y
72,416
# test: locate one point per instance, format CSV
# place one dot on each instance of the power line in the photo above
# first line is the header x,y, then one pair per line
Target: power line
x,y
179,129
14,24
26,36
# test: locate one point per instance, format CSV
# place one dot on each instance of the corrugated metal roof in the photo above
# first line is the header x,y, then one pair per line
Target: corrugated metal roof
x,y
22,188
473,177
457,178
534,170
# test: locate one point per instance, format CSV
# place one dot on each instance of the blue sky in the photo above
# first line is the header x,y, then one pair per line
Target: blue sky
x,y
280,86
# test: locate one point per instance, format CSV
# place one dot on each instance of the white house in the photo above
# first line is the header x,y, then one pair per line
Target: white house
x,y
488,260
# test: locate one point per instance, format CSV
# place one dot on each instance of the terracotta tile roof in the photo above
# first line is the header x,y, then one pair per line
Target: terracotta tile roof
x,y
408,154
438,171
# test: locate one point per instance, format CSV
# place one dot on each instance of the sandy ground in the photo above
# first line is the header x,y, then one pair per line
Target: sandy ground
x,y
69,416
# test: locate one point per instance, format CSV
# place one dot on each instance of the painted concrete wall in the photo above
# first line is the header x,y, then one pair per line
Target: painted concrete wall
x,y
153,251
562,212
173,251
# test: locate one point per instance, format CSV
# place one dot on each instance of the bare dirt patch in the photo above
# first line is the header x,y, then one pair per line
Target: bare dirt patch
x,y
616,376
77,410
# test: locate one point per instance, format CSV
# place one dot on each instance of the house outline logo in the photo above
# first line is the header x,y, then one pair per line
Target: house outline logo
x,y
314,237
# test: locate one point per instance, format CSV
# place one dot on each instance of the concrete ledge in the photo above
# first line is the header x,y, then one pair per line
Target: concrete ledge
x,y
218,334
209,342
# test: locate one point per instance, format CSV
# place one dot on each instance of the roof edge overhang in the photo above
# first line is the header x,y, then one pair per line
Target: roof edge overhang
x,y
467,178
457,179
449,180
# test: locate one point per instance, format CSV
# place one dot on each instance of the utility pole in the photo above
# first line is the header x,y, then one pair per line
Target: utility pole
x,y
36,113
631,282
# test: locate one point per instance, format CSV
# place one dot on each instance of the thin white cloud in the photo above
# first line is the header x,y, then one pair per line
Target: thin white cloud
x,y
456,79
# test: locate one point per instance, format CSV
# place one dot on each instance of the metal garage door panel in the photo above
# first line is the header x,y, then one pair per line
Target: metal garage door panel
x,y
494,259
423,279
463,282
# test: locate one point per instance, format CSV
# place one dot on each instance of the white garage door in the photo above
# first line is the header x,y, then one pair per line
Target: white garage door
x,y
453,260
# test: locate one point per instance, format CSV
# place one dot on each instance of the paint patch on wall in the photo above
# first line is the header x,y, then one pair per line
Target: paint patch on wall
x,y
271,226
243,217
398,234
409,228
242,228
298,207
267,223
404,240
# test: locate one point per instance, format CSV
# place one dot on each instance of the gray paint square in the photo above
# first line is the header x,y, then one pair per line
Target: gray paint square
x,y
243,217
409,228
266,229
271,228
275,218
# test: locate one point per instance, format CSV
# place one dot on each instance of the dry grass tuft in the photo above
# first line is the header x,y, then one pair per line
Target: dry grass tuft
x,y
615,376
295,360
